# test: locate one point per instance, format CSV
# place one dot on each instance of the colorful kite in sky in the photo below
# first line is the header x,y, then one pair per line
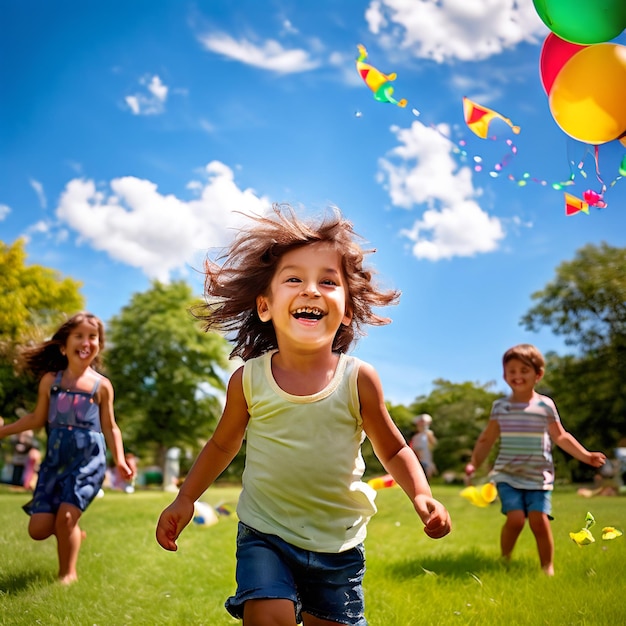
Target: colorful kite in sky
x,y
575,205
478,118
376,80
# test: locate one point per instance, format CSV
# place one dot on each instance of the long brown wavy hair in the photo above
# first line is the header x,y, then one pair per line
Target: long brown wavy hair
x,y
248,266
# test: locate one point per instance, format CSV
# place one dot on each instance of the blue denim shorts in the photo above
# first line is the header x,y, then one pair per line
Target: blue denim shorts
x,y
514,499
326,585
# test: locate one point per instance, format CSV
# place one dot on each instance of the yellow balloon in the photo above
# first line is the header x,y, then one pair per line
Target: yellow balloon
x,y
588,96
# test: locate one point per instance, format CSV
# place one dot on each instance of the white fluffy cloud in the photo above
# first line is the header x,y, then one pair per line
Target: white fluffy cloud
x,y
152,102
5,209
422,170
269,56
454,29
135,224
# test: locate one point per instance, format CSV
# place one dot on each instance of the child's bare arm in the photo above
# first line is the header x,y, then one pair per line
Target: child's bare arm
x,y
38,418
395,455
214,458
110,429
483,445
571,445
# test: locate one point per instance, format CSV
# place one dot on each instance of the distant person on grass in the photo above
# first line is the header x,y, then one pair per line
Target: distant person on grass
x,y
296,294
526,424
75,403
423,442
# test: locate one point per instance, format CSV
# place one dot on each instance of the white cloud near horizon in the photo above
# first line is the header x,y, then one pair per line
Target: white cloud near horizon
x,y
444,30
160,234
269,56
454,224
152,102
5,209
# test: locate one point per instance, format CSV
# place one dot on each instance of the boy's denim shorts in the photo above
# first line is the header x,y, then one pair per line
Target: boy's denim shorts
x,y
326,585
514,499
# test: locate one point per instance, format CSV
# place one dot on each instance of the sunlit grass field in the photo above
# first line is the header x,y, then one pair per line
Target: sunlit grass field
x,y
126,578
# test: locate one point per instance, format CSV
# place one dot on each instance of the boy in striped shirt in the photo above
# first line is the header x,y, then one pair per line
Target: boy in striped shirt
x,y
526,424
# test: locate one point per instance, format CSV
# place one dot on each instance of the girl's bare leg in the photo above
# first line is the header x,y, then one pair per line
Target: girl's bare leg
x,y
41,526
69,538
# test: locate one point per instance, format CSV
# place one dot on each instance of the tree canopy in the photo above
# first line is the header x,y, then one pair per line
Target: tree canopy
x,y
34,300
586,304
167,373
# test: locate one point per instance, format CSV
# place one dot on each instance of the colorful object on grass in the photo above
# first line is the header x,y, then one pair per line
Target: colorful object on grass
x,y
584,537
575,205
378,82
478,118
609,532
381,482
481,497
204,514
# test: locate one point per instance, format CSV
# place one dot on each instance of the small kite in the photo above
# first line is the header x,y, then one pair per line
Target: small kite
x,y
478,118
482,497
376,80
575,205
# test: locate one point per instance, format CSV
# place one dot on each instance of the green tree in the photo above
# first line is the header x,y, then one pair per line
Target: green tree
x,y
460,411
586,304
34,300
167,373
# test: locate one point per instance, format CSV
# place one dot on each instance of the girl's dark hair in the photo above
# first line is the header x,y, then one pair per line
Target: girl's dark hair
x,y
248,266
46,357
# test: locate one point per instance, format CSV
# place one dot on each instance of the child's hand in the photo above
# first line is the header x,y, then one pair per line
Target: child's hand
x,y
469,469
125,471
596,459
435,516
172,521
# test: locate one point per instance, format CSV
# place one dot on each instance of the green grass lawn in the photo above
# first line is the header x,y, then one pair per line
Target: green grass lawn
x,y
126,578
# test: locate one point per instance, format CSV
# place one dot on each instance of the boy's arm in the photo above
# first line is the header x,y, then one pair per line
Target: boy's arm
x,y
214,458
395,455
38,418
483,445
570,444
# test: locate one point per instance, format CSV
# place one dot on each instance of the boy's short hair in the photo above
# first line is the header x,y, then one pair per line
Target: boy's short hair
x,y
526,353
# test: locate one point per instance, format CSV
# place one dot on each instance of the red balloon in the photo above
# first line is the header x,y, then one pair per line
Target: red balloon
x,y
555,53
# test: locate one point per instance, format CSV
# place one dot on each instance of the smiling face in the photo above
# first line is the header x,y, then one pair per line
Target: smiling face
x,y
307,300
83,342
521,378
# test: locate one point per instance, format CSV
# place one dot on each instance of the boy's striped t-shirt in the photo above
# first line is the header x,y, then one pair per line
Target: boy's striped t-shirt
x,y
525,456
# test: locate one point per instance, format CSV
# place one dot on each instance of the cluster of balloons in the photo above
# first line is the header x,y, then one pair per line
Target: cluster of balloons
x,y
583,75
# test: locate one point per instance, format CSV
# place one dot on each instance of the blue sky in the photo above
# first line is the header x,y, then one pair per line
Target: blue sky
x,y
131,132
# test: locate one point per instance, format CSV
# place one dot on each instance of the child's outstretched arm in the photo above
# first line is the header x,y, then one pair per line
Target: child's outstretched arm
x,y
214,458
484,443
395,455
567,442
111,431
38,418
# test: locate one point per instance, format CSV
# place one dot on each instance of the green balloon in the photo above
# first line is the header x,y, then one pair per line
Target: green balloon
x,y
583,21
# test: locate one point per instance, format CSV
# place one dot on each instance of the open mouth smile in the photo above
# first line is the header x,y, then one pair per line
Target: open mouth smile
x,y
308,313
